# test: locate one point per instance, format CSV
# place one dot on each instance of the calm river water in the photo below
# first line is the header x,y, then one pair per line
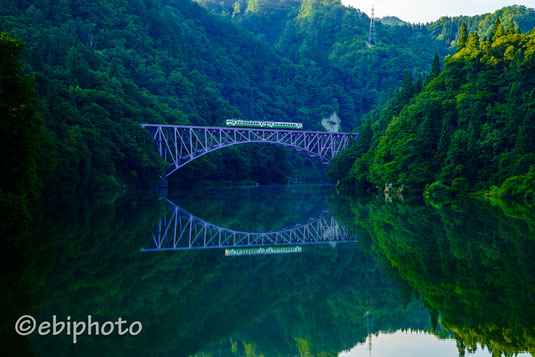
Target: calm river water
x,y
271,271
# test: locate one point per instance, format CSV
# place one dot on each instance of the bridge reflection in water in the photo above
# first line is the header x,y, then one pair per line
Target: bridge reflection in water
x,y
180,230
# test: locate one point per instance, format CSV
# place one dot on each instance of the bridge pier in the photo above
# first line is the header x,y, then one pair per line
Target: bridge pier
x,y
163,183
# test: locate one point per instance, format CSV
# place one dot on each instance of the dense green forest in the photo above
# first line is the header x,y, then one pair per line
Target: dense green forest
x,y
468,130
104,67
329,40
448,29
98,77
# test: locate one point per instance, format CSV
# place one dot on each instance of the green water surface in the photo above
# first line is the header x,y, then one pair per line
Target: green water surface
x,y
422,280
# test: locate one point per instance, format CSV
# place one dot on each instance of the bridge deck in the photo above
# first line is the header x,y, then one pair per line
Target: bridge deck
x,y
355,135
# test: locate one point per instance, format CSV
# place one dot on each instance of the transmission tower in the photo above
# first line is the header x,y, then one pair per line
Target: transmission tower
x,y
371,36
369,326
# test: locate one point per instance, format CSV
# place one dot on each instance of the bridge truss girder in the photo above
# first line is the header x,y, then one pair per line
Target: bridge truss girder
x,y
180,145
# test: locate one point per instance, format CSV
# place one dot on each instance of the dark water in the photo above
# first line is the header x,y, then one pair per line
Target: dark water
x,y
399,278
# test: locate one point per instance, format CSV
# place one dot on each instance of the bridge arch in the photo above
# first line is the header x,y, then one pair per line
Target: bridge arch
x,y
307,153
180,145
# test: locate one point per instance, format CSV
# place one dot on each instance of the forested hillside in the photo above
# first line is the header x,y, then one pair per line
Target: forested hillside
x,y
469,130
448,29
103,67
330,39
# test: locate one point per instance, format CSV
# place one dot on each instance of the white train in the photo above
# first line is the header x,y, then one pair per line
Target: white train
x,y
264,124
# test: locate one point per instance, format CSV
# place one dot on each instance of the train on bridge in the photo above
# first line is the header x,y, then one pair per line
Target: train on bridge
x,y
181,144
263,124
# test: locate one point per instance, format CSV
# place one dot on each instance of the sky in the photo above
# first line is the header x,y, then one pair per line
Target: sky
x,y
431,10
411,344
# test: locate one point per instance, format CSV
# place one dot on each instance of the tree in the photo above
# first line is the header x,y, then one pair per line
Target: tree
x,y
435,69
20,123
20,129
463,37
497,31
407,87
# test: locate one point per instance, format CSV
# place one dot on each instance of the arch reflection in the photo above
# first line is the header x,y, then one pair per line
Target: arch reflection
x,y
180,230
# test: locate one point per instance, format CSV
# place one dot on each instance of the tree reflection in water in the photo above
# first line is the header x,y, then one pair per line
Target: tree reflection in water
x,y
471,262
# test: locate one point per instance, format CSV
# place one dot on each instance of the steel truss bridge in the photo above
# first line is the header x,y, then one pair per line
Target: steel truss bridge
x,y
180,145
180,230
